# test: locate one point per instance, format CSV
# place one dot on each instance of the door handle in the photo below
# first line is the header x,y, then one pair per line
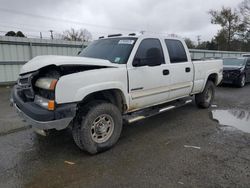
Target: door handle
x,y
165,72
188,69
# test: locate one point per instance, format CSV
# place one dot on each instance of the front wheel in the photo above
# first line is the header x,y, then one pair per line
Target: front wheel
x,y
99,127
242,81
205,99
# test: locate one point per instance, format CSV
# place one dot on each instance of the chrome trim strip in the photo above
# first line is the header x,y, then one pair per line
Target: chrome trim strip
x,y
167,108
159,90
136,119
188,101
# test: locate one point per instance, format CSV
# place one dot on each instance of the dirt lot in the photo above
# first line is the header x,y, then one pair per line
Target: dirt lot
x,y
184,147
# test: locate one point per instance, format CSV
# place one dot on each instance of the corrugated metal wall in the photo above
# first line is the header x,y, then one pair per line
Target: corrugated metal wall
x,y
199,54
15,51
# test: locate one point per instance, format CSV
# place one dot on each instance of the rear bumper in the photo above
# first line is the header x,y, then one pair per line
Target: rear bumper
x,y
41,118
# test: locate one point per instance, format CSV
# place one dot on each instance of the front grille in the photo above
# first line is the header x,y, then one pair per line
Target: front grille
x,y
230,74
23,81
25,86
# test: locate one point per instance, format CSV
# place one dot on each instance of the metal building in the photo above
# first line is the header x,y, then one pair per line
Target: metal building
x,y
15,51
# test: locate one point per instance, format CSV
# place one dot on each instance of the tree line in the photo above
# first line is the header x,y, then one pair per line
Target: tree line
x,y
71,35
234,33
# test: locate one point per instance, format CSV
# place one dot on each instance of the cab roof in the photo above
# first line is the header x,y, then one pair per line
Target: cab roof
x,y
139,35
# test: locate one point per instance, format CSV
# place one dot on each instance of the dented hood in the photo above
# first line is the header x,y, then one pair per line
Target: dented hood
x,y
43,61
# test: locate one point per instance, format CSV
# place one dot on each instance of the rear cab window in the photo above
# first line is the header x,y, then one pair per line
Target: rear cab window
x,y
176,51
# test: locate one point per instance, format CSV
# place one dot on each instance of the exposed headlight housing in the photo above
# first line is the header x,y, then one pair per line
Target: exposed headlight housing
x,y
45,97
46,83
45,103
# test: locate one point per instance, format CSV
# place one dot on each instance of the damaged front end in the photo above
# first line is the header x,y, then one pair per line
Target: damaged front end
x,y
34,94
34,98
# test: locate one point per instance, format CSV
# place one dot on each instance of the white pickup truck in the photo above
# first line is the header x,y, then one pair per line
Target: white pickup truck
x,y
115,79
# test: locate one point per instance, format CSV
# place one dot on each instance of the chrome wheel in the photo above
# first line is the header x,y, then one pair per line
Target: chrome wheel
x,y
102,128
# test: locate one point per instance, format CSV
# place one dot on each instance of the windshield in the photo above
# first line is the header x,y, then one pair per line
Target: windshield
x,y
234,61
116,50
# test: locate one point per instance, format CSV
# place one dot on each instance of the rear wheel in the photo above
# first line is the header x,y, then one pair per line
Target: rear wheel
x,y
205,99
99,128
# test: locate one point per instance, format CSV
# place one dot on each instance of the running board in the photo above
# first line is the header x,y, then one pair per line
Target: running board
x,y
148,112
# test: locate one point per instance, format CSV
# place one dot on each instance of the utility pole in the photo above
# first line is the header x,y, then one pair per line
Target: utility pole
x,y
41,36
199,39
51,34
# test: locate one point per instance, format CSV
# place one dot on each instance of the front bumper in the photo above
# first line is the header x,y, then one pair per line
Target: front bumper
x,y
40,118
230,77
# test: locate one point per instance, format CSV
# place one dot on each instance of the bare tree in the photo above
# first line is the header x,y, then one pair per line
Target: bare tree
x,y
230,22
244,8
190,43
77,35
245,11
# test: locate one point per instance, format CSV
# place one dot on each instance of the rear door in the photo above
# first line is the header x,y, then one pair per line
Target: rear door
x,y
148,84
181,69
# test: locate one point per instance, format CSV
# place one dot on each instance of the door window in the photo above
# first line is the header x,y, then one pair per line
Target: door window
x,y
176,51
149,53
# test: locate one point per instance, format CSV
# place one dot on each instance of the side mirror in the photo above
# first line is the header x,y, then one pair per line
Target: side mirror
x,y
137,62
154,62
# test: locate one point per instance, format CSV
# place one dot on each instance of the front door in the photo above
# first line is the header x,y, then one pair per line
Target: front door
x,y
149,76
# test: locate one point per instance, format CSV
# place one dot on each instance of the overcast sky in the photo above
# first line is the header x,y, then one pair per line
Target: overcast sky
x,y
187,18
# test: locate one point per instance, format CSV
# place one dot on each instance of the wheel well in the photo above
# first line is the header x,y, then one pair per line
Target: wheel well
x,y
114,96
213,77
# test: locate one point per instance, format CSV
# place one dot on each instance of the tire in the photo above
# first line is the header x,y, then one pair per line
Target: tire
x,y
205,99
242,81
98,127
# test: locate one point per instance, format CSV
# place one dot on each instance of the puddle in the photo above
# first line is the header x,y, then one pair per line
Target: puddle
x,y
239,119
